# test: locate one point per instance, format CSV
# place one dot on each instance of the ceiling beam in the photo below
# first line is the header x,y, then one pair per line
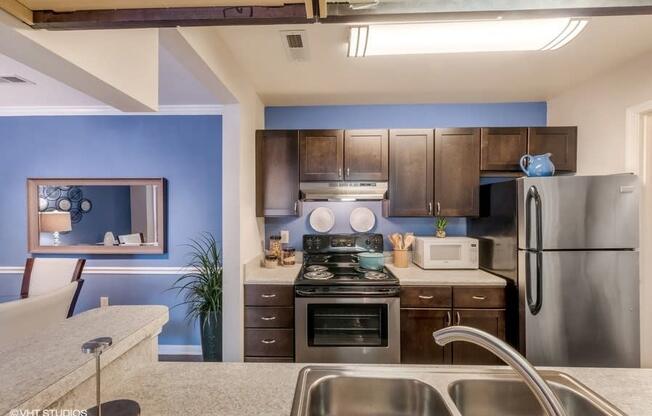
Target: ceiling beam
x,y
18,10
171,17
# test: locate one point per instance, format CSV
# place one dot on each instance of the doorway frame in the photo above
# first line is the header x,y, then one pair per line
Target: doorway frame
x,y
638,143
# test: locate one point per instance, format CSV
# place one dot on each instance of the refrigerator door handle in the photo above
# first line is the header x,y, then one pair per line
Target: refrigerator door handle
x,y
534,304
533,195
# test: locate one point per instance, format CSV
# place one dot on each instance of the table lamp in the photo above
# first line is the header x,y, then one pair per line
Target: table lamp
x,y
55,222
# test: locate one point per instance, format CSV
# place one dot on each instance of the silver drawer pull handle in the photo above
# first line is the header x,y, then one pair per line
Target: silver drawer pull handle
x,y
479,297
426,297
268,318
270,296
268,341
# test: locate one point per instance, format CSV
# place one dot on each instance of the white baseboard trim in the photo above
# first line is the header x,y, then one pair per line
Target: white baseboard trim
x,y
113,270
102,110
179,349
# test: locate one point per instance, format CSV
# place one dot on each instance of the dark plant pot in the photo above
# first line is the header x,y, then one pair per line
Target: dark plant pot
x,y
211,336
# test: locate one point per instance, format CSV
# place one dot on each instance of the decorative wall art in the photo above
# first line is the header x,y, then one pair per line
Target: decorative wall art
x,y
64,198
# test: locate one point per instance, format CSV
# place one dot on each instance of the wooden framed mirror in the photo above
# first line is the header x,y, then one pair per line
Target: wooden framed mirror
x,y
96,216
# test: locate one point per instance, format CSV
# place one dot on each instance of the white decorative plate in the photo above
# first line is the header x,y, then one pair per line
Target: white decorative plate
x,y
362,219
322,219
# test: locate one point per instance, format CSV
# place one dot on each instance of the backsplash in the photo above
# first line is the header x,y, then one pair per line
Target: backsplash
x,y
298,226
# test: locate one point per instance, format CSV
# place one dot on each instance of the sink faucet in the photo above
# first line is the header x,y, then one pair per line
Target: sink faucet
x,y
509,355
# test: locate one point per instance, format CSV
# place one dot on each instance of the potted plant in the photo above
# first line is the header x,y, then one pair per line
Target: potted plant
x,y
202,291
440,225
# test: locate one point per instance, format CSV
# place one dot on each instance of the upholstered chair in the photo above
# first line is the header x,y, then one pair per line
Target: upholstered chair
x,y
43,276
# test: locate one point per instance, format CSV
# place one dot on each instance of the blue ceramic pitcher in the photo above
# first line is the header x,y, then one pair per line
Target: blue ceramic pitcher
x,y
538,165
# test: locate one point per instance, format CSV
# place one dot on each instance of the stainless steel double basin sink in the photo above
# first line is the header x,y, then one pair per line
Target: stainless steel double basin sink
x,y
385,391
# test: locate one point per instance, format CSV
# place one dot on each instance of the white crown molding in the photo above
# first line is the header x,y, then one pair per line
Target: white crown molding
x,y
179,349
100,110
113,270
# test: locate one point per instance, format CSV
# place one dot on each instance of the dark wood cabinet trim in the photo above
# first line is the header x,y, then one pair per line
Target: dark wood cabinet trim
x,y
426,297
335,172
277,184
496,154
538,143
448,185
269,342
351,171
418,208
417,343
479,297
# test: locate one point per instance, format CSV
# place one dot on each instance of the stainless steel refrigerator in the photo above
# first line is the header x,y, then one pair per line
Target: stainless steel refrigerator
x,y
569,245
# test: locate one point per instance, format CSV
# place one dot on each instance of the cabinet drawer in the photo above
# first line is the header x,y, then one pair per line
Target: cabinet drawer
x,y
269,342
269,295
269,317
478,297
426,297
269,359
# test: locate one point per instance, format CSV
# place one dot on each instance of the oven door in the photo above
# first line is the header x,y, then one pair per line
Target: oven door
x,y
347,330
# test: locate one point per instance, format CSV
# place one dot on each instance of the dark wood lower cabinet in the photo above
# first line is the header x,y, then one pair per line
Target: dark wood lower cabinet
x,y
417,343
491,321
269,323
427,309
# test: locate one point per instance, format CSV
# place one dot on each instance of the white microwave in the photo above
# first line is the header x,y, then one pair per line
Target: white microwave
x,y
446,253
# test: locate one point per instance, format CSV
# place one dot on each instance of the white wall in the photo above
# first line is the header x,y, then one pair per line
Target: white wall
x,y
604,108
598,107
242,231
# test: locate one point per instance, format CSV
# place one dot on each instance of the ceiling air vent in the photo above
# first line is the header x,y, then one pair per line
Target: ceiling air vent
x,y
295,45
14,79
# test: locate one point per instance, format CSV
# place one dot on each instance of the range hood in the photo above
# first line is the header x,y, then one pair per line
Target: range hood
x,y
343,191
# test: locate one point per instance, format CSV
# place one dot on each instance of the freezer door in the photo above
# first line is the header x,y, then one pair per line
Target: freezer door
x,y
578,212
589,308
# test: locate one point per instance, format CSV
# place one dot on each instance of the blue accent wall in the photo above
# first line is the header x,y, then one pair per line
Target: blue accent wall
x,y
528,114
186,150
407,116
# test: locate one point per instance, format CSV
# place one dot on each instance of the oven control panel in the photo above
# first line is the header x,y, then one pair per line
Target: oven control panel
x,y
343,243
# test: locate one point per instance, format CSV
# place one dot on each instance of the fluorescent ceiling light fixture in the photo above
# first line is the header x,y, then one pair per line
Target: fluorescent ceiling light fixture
x,y
468,36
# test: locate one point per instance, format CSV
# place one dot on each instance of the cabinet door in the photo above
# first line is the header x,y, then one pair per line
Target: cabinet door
x,y
417,343
488,320
502,148
321,155
560,141
277,173
365,155
411,154
457,172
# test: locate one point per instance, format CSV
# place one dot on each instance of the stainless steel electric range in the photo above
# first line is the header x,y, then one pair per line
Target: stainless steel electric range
x,y
345,314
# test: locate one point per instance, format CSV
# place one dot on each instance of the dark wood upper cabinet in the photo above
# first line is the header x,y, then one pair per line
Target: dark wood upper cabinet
x,y
491,321
321,155
560,141
277,173
417,344
365,155
457,172
411,154
502,148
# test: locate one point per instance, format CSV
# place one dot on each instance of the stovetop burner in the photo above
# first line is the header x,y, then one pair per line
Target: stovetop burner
x,y
373,275
316,268
318,275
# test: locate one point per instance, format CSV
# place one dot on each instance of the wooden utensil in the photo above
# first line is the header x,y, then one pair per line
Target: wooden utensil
x,y
408,240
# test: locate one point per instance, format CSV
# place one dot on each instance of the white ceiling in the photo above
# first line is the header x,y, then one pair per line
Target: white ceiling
x,y
177,86
330,77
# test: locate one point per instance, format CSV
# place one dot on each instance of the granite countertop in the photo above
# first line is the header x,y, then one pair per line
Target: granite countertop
x,y
281,275
414,275
40,369
243,389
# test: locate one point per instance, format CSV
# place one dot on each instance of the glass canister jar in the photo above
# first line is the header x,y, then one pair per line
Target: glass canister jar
x,y
289,256
275,246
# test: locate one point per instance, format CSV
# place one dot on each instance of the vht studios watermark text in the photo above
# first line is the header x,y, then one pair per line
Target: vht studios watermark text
x,y
48,412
